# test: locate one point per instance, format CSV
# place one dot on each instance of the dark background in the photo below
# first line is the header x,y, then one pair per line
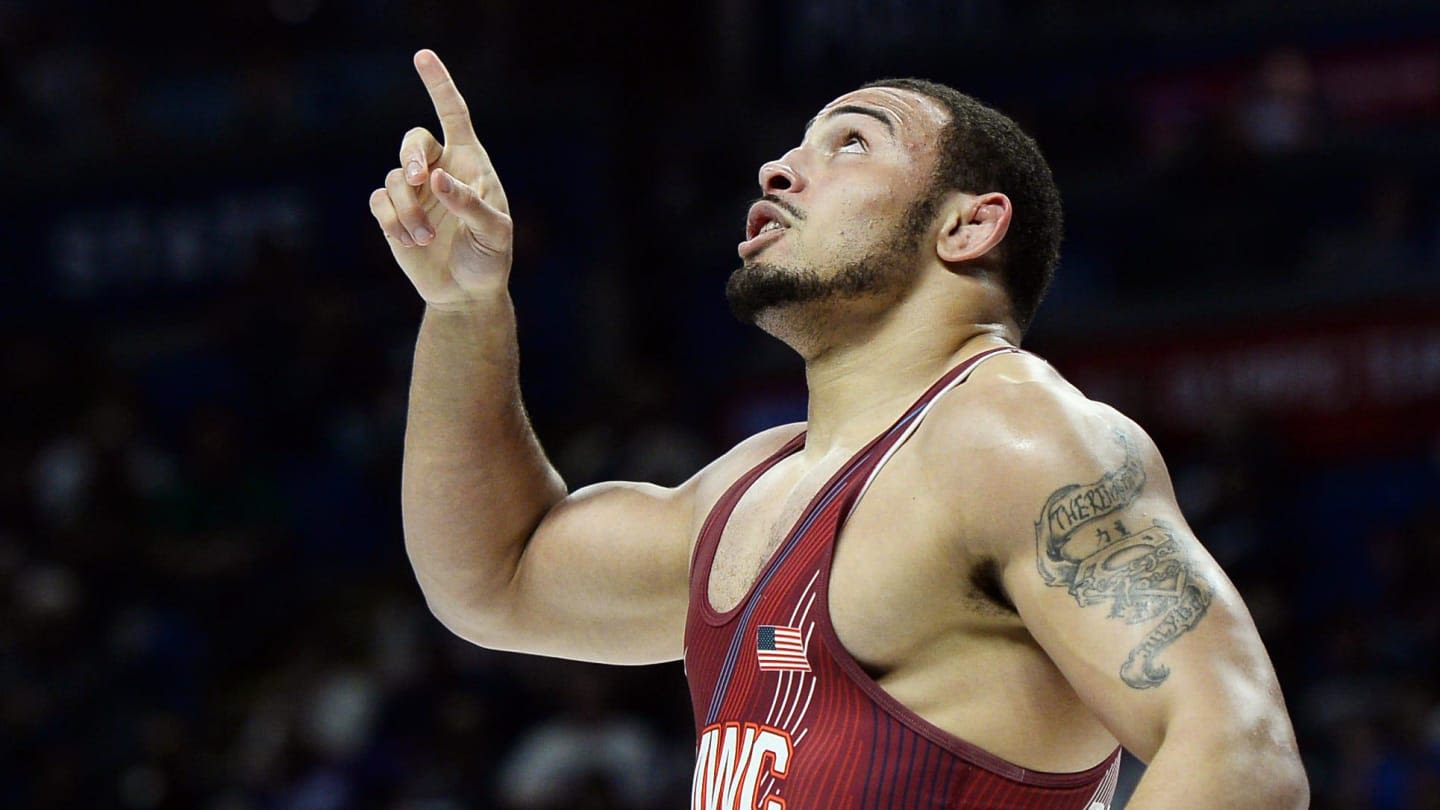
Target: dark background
x,y
205,598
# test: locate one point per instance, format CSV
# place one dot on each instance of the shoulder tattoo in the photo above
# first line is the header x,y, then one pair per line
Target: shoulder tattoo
x,y
1085,544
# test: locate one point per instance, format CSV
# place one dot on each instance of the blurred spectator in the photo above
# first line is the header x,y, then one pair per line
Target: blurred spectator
x,y
1378,241
1282,111
587,756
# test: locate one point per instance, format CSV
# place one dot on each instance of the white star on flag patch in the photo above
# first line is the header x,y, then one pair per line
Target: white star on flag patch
x,y
780,649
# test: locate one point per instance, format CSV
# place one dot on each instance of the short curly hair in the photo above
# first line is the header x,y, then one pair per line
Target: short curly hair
x,y
983,150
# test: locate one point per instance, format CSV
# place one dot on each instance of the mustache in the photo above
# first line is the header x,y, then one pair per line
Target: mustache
x,y
794,212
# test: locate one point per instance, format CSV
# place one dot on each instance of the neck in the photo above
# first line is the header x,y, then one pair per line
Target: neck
x,y
857,389
868,357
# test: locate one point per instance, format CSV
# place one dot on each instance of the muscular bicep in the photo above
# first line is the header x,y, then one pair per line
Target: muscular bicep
x,y
603,575
1126,601
1115,546
602,578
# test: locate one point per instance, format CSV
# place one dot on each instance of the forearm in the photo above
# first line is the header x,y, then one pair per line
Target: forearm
x,y
475,481
1208,772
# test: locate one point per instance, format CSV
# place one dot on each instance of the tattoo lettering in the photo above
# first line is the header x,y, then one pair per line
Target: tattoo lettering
x,y
1143,574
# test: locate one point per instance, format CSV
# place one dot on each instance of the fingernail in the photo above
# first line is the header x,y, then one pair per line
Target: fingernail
x,y
406,240
414,170
422,235
443,183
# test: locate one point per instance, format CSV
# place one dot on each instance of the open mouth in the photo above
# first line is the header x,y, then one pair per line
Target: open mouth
x,y
766,223
764,218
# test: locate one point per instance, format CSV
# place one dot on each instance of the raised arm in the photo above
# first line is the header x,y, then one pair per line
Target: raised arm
x,y
1108,578
504,556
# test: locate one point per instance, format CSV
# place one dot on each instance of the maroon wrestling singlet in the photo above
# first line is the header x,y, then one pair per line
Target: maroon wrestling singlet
x,y
787,719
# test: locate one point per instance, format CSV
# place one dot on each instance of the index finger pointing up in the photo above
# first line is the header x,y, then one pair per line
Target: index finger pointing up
x,y
449,104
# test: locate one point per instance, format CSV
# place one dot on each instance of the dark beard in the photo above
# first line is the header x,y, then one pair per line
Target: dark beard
x,y
756,287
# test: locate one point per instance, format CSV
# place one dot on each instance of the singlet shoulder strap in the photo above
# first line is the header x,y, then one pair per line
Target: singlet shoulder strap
x,y
905,427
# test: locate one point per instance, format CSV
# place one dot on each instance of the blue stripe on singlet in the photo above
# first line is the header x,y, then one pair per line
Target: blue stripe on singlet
x,y
945,779
727,671
902,777
922,777
879,757
902,773
874,746
922,789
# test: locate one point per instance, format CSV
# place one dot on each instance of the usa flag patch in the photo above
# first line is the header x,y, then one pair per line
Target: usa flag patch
x,y
780,649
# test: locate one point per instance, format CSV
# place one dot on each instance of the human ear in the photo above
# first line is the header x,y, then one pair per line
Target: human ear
x,y
974,225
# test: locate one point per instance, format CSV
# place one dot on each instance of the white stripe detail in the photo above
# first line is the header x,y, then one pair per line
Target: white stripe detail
x,y
770,715
808,586
1105,791
792,718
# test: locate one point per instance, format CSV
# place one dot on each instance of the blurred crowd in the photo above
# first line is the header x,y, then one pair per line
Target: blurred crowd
x,y
206,601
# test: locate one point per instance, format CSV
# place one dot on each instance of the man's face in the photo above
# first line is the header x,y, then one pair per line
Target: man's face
x,y
843,212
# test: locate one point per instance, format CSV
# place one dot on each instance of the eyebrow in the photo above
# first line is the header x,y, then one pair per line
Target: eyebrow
x,y
860,109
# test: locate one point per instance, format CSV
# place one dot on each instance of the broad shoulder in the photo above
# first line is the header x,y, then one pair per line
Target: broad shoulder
x,y
1017,431
1020,403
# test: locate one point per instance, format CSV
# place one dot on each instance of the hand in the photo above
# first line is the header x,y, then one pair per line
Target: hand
x,y
443,211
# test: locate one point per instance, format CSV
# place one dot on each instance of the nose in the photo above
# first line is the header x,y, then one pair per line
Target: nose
x,y
781,175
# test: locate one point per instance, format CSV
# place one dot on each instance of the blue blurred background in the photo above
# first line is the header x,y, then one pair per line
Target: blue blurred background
x,y
205,600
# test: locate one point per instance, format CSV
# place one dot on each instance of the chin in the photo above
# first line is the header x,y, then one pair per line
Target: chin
x,y
758,287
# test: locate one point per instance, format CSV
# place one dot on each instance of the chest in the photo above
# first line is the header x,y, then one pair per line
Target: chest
x,y
897,581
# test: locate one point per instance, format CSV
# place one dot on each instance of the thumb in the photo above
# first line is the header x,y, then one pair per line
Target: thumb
x,y
491,227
